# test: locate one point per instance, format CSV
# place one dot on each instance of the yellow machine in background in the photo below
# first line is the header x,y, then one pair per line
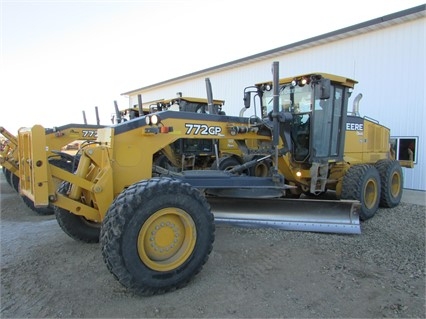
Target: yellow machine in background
x,y
156,225
58,141
185,154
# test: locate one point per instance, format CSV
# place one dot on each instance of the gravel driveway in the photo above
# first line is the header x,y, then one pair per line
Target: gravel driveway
x,y
251,273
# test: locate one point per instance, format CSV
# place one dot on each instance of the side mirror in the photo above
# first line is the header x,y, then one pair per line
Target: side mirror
x,y
325,87
247,98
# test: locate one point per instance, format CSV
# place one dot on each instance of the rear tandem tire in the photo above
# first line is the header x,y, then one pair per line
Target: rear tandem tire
x,y
391,178
157,235
362,183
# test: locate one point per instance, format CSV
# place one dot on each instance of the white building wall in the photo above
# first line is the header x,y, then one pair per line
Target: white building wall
x,y
389,65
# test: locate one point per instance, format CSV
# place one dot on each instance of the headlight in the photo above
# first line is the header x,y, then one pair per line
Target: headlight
x,y
154,119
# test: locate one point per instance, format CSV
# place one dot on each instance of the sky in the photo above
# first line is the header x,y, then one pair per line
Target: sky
x,y
60,58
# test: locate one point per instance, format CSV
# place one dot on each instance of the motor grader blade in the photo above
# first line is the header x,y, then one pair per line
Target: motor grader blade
x,y
326,216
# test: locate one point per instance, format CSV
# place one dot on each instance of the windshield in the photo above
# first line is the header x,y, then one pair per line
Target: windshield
x,y
315,123
296,100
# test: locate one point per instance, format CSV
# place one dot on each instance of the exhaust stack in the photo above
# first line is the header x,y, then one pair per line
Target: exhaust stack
x,y
355,109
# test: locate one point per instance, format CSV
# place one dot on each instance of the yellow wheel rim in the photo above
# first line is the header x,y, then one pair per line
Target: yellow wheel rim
x,y
167,239
370,193
395,184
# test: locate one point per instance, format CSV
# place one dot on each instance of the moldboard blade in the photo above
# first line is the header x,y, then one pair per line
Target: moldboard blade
x,y
326,216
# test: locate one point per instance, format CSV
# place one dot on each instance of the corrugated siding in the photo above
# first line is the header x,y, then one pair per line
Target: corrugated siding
x,y
388,63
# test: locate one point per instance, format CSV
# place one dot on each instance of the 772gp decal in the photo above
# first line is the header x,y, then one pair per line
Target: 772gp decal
x,y
202,129
90,133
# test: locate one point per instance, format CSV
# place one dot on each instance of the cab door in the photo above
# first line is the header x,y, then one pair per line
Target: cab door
x,y
327,135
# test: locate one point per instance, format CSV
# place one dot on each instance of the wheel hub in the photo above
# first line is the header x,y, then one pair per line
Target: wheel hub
x,y
166,239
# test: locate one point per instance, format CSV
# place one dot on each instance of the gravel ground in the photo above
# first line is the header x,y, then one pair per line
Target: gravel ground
x,y
251,273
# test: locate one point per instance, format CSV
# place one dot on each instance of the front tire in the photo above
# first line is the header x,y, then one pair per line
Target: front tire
x,y
77,227
362,183
157,235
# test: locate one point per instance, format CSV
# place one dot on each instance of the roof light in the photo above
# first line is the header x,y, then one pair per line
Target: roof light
x,y
300,82
268,87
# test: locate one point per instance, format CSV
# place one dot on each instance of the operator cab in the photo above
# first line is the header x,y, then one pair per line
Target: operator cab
x,y
316,106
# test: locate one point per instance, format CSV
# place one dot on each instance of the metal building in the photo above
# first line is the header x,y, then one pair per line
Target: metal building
x,y
385,55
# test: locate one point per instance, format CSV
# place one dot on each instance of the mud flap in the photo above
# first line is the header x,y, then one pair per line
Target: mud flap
x,y
325,216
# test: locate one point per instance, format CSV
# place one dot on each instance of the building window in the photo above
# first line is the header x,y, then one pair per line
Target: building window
x,y
405,148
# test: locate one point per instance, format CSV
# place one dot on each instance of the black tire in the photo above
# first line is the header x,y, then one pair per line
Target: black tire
x,y
391,178
307,192
14,181
261,169
77,227
163,161
7,173
362,183
228,163
293,193
141,235
320,195
42,211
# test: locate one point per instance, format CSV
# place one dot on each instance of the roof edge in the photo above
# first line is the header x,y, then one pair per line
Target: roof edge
x,y
362,25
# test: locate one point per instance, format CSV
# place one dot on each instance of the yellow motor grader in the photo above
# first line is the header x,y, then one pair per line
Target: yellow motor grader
x,y
328,148
58,142
156,226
